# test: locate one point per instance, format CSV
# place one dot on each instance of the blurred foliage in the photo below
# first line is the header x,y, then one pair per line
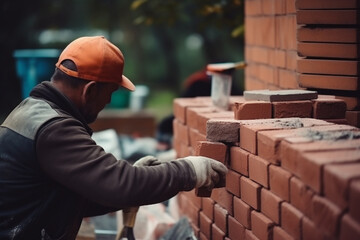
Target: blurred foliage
x,y
163,41
200,14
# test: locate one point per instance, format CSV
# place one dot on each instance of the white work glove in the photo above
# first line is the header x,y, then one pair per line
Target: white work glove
x,y
209,172
147,161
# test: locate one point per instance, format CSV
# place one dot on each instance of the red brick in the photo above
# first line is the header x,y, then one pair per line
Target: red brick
x,y
208,207
352,104
203,118
236,230
291,58
288,79
253,7
280,234
192,115
262,227
249,235
266,31
354,199
337,180
338,121
242,212
291,220
327,4
329,108
196,229
215,150
190,210
252,110
292,109
233,182
279,180
259,170
182,150
311,168
334,82
217,234
252,83
180,105
280,7
326,215
260,55
223,198
328,50
270,205
321,66
291,159
269,141
290,6
334,35
202,236
266,74
249,36
181,132
350,229
268,7
193,198
280,57
249,132
220,217
248,137
205,225
223,130
286,23
239,160
234,99
250,192
195,137
353,118
310,231
337,16
301,196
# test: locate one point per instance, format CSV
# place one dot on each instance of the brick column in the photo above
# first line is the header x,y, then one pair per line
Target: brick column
x,y
306,44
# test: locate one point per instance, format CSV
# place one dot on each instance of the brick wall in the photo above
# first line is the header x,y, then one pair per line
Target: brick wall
x,y
290,177
311,44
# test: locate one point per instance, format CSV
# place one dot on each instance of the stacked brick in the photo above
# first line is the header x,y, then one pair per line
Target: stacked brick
x,y
269,52
328,46
292,44
290,177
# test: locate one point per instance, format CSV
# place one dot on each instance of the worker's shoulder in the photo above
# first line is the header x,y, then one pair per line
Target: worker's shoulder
x,y
28,117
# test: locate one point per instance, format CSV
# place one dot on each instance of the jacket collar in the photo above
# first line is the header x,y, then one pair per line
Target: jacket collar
x,y
45,90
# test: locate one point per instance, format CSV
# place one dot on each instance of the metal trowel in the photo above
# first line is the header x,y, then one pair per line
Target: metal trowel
x,y
221,80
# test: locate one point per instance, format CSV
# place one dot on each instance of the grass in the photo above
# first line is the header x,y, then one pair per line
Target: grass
x,y
160,103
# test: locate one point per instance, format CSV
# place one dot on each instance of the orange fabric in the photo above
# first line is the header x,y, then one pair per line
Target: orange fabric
x,y
96,59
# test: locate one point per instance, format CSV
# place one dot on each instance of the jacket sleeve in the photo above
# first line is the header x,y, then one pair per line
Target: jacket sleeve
x,y
69,156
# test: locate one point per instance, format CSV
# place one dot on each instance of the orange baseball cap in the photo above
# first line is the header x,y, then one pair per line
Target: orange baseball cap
x,y
96,59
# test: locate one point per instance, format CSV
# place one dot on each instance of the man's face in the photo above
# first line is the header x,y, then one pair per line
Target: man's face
x,y
97,100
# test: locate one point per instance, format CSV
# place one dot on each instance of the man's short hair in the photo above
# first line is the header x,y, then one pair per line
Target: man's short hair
x,y
69,80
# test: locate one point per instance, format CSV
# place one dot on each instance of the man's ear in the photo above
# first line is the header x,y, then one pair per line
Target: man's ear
x,y
89,91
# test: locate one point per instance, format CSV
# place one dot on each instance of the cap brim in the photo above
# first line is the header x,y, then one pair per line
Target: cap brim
x,y
126,83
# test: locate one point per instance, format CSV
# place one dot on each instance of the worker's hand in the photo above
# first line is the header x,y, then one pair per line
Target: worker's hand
x,y
147,161
209,172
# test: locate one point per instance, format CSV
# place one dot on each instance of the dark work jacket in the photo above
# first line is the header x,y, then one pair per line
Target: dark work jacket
x,y
52,174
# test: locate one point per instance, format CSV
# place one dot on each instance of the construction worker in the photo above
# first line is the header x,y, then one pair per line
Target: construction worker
x,y
52,174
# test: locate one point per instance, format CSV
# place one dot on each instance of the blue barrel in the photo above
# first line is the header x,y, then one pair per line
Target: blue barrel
x,y
34,66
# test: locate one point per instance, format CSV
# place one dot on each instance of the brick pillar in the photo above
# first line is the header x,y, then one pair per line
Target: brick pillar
x,y
308,44
270,49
